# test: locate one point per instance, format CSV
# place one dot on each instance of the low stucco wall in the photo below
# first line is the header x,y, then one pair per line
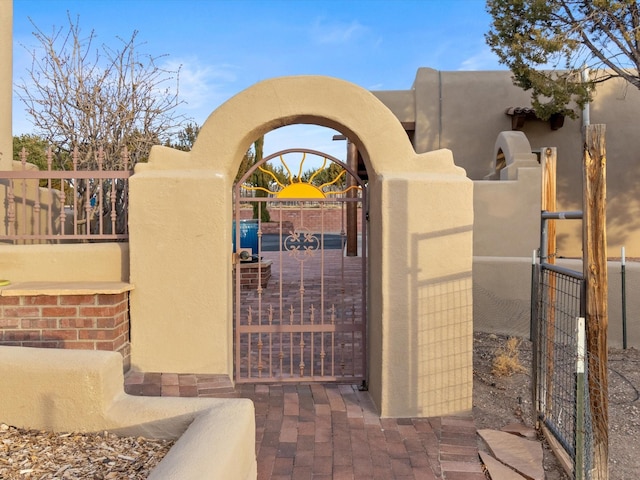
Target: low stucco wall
x,y
502,297
80,391
507,215
85,262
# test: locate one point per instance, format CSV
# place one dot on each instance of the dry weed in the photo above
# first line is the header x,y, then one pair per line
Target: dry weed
x,y
507,359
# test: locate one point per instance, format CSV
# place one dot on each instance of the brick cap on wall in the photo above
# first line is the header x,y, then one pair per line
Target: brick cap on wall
x,y
64,288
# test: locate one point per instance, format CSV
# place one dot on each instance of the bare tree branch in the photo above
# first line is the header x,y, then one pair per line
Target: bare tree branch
x,y
84,96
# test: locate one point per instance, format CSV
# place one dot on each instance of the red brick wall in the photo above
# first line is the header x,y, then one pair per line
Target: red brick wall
x,y
253,273
83,322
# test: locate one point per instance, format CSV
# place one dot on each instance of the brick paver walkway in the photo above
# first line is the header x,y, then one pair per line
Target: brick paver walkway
x,y
332,431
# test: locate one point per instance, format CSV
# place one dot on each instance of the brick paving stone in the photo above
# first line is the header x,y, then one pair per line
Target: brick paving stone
x,y
397,450
283,466
413,445
323,434
383,473
187,380
323,410
170,379
465,476
170,390
401,466
306,428
305,442
303,458
323,449
392,436
343,472
289,435
362,466
188,391
322,465
389,423
419,459
317,432
302,473
151,389
424,473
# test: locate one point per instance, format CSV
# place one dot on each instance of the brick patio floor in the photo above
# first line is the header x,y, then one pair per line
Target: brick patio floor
x,y
332,431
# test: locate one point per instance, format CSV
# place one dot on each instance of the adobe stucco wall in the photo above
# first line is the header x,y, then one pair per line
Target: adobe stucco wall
x,y
502,297
82,262
421,222
469,123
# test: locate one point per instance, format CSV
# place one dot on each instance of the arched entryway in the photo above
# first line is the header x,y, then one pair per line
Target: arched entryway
x,y
420,244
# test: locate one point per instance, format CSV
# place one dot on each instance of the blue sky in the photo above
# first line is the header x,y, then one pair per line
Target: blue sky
x,y
225,46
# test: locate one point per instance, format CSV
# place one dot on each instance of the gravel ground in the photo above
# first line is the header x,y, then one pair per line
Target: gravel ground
x,y
502,400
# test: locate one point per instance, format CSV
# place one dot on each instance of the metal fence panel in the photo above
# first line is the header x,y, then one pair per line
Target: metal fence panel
x,y
75,205
559,403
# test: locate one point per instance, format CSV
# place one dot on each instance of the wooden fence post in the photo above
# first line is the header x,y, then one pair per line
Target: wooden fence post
x,y
595,272
548,161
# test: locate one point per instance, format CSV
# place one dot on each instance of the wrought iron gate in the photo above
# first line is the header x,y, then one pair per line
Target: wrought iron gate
x,y
300,280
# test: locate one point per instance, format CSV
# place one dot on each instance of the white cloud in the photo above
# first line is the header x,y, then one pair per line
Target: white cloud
x,y
485,59
203,87
337,33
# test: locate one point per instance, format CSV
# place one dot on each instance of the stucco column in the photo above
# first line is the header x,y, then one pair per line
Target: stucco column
x,y
6,80
180,265
424,340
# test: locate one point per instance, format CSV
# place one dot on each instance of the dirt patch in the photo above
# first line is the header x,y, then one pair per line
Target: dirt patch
x,y
500,400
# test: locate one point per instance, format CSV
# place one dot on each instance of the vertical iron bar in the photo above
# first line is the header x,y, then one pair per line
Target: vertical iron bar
x,y
280,277
99,191
74,158
238,285
533,334
112,198
624,300
49,229
11,215
125,192
261,205
23,161
364,207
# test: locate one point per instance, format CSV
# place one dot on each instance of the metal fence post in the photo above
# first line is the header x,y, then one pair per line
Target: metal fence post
x,y
580,401
533,334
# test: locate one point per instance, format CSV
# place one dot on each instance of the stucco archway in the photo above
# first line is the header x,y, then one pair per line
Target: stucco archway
x,y
421,219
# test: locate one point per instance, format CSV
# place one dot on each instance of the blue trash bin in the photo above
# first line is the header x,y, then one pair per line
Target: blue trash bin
x,y
248,236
